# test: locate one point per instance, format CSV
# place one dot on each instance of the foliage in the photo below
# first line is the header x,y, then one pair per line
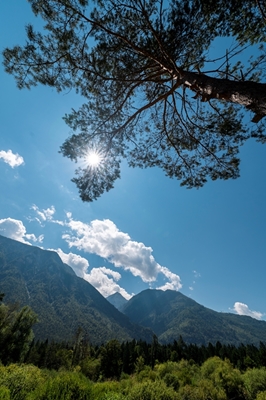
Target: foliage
x,y
224,376
215,379
111,361
153,92
255,382
4,393
149,390
63,386
15,332
20,380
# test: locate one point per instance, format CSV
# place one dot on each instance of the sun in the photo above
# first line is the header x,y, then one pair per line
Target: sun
x,y
93,159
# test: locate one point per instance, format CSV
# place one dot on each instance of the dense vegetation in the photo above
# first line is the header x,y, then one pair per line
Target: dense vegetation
x,y
136,371
133,370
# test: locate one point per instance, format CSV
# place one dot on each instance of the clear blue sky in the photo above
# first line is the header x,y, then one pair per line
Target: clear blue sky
x,y
148,231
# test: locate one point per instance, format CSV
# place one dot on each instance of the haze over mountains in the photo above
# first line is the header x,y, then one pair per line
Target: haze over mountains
x,y
64,302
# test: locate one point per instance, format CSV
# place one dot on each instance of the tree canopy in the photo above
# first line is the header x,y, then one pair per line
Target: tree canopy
x,y
15,332
177,84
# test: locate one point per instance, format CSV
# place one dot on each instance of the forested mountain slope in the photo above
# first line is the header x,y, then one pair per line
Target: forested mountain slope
x,y
171,314
63,301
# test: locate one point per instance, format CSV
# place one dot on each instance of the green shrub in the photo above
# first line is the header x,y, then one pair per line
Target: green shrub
x,y
171,380
149,390
204,391
106,390
223,375
64,386
261,396
4,393
91,368
254,382
20,379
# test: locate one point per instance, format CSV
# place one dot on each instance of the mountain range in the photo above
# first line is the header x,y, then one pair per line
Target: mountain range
x,y
64,302
170,314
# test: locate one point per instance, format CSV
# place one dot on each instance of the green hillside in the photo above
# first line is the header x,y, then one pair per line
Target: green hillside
x,y
171,314
38,278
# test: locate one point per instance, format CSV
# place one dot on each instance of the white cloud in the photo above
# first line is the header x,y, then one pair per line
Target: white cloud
x,y
76,262
14,229
44,214
14,160
103,279
104,239
242,309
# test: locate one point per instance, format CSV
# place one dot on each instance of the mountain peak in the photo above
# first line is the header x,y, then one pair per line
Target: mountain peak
x,y
63,301
117,300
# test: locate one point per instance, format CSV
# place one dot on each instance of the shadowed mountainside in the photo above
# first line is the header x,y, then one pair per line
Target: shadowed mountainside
x,y
38,278
171,314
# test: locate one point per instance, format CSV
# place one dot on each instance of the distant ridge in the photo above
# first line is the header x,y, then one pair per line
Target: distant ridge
x,y
117,300
63,301
171,314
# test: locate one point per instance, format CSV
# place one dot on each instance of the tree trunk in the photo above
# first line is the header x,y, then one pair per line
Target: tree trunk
x,y
251,95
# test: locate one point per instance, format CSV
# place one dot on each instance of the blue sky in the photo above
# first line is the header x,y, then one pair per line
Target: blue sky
x,y
146,232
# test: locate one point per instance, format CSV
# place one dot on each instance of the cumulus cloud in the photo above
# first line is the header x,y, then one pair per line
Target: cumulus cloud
x,y
14,229
76,262
14,160
107,241
104,239
103,279
242,309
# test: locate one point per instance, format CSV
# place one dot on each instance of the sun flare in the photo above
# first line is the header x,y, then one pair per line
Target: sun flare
x,y
93,159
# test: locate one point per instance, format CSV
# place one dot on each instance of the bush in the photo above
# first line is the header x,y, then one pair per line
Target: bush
x,y
261,396
106,390
20,380
254,382
4,393
152,391
171,380
64,386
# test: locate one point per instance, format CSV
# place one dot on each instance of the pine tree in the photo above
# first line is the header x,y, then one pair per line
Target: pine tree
x,y
154,92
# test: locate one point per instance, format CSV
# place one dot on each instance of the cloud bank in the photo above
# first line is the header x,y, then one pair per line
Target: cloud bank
x,y
242,309
103,279
107,241
14,160
14,229
103,238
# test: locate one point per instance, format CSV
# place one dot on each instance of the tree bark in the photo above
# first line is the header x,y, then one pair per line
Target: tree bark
x,y
251,95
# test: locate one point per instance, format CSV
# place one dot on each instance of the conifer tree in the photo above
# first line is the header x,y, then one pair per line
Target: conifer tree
x,y
165,83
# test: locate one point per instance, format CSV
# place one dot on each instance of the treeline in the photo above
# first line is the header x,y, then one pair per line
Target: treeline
x,y
134,370
215,379
113,358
